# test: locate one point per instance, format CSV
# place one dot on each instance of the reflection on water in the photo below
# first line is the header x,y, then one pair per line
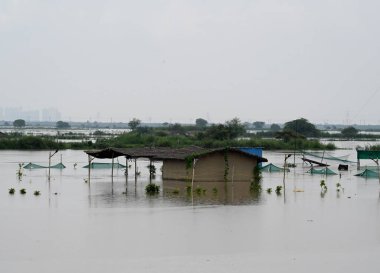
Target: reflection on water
x,y
74,226
211,193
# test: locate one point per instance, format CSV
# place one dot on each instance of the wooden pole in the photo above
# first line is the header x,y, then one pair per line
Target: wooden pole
x,y
150,170
89,169
135,170
49,165
126,166
112,174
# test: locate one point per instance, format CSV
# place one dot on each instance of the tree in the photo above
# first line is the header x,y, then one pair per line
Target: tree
x,y
349,131
230,130
176,129
258,125
62,125
19,123
134,123
235,128
302,126
200,122
275,127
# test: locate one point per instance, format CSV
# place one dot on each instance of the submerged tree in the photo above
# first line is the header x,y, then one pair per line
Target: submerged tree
x,y
200,122
302,126
134,123
258,125
349,131
19,123
62,125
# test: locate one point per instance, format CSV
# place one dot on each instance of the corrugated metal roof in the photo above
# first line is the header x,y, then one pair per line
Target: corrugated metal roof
x,y
161,153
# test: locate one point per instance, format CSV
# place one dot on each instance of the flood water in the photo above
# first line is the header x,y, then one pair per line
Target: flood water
x,y
105,226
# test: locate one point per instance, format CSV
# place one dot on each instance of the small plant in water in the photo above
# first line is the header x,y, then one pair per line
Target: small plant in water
x,y
323,185
36,193
11,191
188,189
175,191
214,190
278,190
23,191
198,190
152,189
269,190
339,187
255,187
19,171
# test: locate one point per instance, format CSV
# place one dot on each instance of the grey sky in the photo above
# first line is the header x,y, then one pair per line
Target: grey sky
x,y
179,60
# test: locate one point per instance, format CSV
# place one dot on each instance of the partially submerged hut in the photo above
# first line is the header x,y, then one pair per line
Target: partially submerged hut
x,y
195,163
224,164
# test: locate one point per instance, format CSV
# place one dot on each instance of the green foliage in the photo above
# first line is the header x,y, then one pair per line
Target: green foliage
x,y
278,190
23,191
62,125
19,123
134,123
188,189
152,169
255,187
323,185
214,190
226,166
198,190
36,193
175,191
200,122
152,189
302,126
257,175
11,191
269,190
349,131
275,127
176,129
258,125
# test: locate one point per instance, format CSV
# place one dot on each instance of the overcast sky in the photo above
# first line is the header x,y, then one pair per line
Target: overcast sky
x,y
178,60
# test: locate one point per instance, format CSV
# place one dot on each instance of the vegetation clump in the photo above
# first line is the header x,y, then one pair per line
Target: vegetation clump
x,y
339,187
36,193
23,191
152,189
323,186
278,190
11,191
269,190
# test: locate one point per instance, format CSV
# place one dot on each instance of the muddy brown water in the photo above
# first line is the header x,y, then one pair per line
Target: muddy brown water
x,y
76,227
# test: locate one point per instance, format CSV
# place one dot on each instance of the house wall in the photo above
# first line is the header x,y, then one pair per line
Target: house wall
x,y
212,168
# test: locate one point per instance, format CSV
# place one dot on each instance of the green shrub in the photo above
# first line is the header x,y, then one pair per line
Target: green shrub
x,y
152,189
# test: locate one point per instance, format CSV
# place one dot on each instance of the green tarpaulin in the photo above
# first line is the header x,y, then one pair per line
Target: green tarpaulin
x,y
272,168
31,166
325,171
95,165
368,174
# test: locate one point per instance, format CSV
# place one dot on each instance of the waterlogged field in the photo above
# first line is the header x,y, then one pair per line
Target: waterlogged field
x,y
105,226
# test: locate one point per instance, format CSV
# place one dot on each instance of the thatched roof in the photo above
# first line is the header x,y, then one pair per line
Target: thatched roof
x,y
161,153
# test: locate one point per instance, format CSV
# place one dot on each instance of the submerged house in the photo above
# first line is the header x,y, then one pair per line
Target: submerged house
x,y
195,163
225,164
